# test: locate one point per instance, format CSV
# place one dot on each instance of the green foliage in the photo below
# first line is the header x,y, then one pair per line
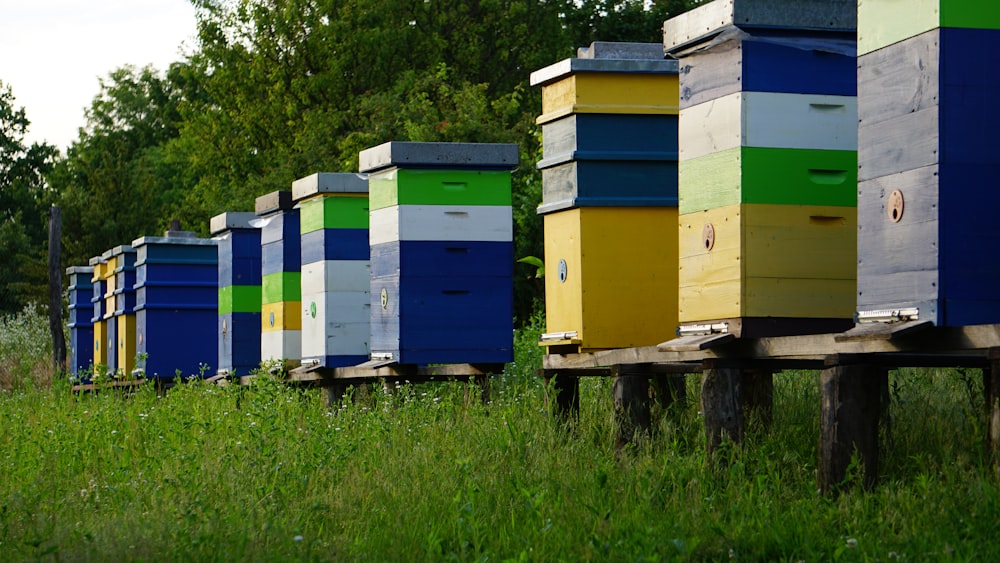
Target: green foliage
x,y
24,202
25,349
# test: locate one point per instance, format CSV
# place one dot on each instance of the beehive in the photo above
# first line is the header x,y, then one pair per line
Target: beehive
x,y
99,303
125,321
441,236
609,199
81,311
609,128
926,168
336,309
177,305
611,276
767,166
281,284
239,291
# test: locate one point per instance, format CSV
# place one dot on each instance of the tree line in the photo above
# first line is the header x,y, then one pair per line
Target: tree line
x,y
274,90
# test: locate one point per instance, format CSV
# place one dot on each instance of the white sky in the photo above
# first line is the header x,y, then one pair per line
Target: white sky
x,y
52,53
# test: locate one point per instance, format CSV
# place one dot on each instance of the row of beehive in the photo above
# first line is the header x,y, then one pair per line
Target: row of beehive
x,y
769,162
294,283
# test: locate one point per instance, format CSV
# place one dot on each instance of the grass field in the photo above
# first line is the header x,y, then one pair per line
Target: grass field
x,y
267,472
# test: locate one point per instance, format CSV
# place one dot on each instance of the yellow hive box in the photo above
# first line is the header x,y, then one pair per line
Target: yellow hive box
x,y
126,344
611,276
762,260
283,315
100,343
612,92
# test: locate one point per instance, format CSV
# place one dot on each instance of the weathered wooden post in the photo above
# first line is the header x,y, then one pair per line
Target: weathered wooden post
x,y
991,388
564,399
631,394
722,405
55,291
850,392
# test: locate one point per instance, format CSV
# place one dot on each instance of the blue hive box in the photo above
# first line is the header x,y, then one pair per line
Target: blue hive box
x,y
81,310
177,319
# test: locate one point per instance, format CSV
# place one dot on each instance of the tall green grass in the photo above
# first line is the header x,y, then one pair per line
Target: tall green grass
x,y
268,472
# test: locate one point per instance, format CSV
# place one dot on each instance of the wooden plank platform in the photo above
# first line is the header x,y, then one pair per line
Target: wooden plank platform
x,y
388,370
913,343
126,385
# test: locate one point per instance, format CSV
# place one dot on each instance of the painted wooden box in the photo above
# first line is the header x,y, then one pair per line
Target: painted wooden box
x,y
124,339
81,328
927,172
884,22
611,276
768,269
608,184
629,86
616,137
281,264
239,247
100,329
110,264
176,320
768,176
335,307
432,298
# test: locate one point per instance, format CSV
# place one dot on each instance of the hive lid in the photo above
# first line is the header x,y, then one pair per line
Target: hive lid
x,y
328,183
475,156
75,270
705,22
275,201
567,67
121,249
94,261
173,238
231,220
621,50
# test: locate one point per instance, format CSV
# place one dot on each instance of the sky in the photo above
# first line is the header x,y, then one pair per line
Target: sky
x,y
52,53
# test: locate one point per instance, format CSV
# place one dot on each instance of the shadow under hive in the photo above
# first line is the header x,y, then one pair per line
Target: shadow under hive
x,y
767,167
177,308
441,236
609,196
336,308
239,250
927,90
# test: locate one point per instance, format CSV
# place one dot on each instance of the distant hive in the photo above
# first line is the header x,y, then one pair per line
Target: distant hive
x,y
768,166
99,283
442,263
281,283
238,241
81,327
177,309
124,336
927,90
336,308
609,196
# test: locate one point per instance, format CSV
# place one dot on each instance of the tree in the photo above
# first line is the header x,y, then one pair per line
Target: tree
x,y
24,200
118,180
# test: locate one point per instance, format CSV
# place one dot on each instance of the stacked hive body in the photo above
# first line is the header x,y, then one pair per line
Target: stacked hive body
x,y
239,292
81,311
441,252
336,307
609,196
768,165
927,90
98,321
281,292
176,305
123,345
